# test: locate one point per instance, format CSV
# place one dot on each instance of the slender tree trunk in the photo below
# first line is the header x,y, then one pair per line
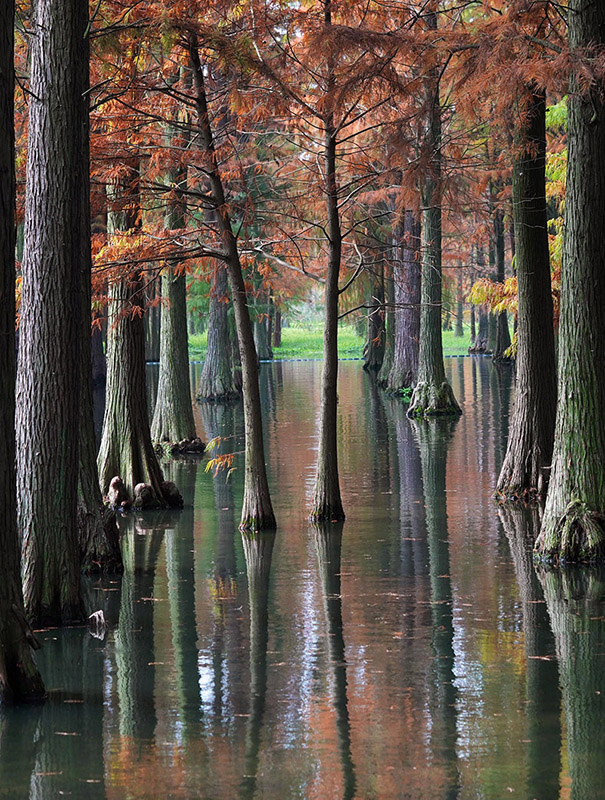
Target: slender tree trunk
x,y
407,308
530,440
433,394
389,324
48,382
217,381
257,510
480,342
173,415
152,322
277,325
126,449
262,328
459,305
573,527
327,503
503,335
19,676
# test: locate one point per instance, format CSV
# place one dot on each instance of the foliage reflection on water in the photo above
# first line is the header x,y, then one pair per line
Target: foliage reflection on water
x,y
413,652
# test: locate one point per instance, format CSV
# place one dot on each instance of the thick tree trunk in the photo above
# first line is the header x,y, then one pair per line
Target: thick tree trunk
x,y
433,394
48,382
257,510
407,308
19,677
98,532
126,449
530,440
173,415
573,527
217,381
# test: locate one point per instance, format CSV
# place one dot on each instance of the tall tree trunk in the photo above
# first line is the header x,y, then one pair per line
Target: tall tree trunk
x,y
327,503
126,449
530,440
433,394
257,510
573,527
99,537
48,381
503,335
459,304
19,676
217,382
262,328
407,308
389,323
479,344
173,415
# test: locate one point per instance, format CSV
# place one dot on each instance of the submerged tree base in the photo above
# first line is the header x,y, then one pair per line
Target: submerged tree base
x,y
186,447
252,525
430,400
577,536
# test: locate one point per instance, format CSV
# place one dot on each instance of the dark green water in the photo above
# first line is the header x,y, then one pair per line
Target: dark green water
x,y
412,653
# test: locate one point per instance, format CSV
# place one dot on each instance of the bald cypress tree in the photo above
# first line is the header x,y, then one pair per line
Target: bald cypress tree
x,y
19,677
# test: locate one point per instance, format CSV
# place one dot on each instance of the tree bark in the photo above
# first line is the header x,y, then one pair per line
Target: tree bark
x,y
257,510
327,503
375,342
126,449
529,452
48,380
217,382
502,333
573,525
389,324
173,415
19,676
98,532
433,395
407,308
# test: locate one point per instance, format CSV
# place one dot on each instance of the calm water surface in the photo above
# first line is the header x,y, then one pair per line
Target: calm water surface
x,y
413,652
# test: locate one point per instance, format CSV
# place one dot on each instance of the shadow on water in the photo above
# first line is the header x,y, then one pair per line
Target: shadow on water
x,y
328,546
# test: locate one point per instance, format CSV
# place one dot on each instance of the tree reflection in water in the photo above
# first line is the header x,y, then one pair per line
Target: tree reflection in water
x,y
328,545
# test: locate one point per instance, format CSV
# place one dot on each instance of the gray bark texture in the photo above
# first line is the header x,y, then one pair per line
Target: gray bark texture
x,y
19,677
502,333
173,416
48,379
432,395
126,449
98,531
529,452
257,509
573,525
217,382
404,368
